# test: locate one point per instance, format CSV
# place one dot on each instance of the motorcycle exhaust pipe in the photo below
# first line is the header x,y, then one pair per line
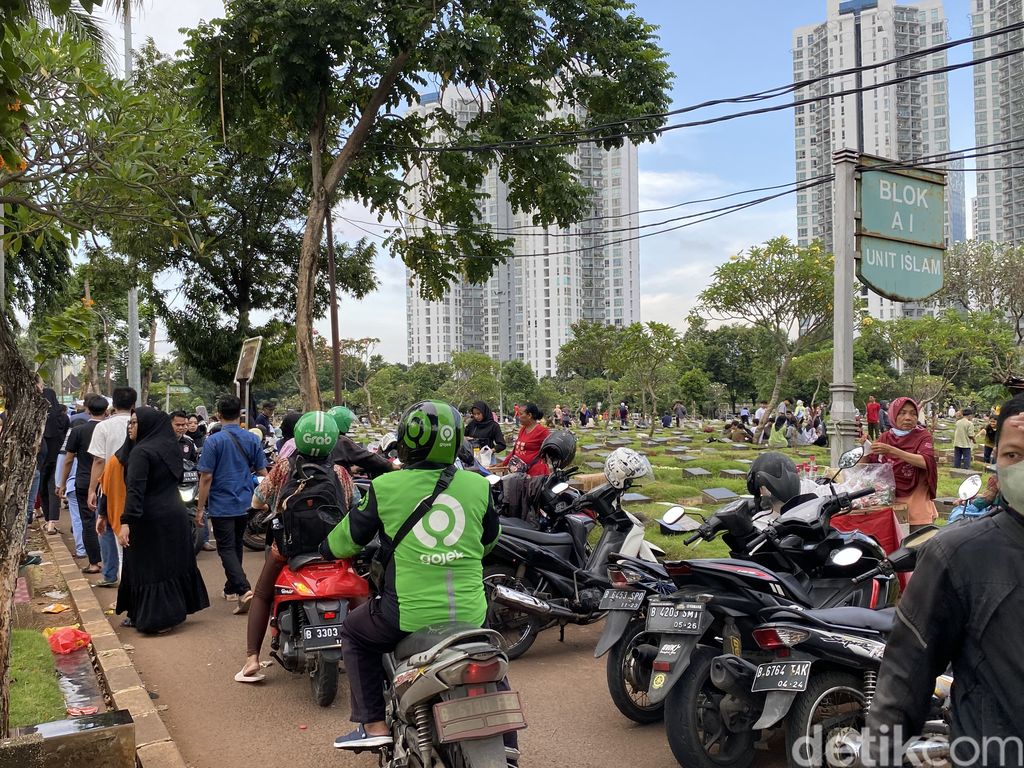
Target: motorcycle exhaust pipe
x,y
530,604
846,748
733,675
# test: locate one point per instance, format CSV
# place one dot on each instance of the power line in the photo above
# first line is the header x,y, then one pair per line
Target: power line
x,y
541,141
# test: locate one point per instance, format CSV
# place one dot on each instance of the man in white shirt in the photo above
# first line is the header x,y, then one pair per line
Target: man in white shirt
x,y
107,440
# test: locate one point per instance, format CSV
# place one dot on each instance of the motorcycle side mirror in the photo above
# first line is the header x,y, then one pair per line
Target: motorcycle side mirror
x,y
560,488
969,488
673,515
851,458
845,556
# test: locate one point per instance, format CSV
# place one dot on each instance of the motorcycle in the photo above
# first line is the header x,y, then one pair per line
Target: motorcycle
x,y
311,599
967,493
536,579
447,704
188,490
823,673
797,559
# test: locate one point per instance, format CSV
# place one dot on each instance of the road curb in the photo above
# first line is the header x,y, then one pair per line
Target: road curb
x,y
154,747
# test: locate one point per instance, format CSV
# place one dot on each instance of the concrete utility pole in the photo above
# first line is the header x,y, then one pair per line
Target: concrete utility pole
x,y
134,339
843,416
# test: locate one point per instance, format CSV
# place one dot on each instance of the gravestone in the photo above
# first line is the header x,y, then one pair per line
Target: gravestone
x,y
733,474
963,472
748,462
677,450
718,495
695,472
593,465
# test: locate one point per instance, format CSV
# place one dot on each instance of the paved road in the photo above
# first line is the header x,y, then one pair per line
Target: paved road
x,y
219,723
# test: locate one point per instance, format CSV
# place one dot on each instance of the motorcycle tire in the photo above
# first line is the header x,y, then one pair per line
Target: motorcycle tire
x,y
255,536
696,734
627,683
323,679
841,695
522,627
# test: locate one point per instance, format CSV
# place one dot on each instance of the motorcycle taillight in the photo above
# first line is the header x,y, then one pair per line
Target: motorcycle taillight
x,y
486,672
778,638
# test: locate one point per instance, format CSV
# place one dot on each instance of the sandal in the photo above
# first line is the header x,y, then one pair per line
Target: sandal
x,y
127,623
92,569
255,677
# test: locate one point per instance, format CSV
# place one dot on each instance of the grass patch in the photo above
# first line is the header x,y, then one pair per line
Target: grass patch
x,y
35,695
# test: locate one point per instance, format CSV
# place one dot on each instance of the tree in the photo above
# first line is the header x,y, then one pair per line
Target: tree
x,y
646,357
588,350
694,389
518,383
474,377
730,353
341,75
781,288
812,369
985,276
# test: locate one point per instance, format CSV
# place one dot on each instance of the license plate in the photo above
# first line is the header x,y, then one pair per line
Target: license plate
x,y
678,618
192,476
324,636
477,717
621,600
782,676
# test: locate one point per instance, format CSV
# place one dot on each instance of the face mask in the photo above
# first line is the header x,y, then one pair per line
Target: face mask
x,y
1011,485
901,432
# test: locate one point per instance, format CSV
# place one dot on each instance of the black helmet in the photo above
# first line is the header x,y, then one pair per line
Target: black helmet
x,y
559,447
777,473
465,454
430,430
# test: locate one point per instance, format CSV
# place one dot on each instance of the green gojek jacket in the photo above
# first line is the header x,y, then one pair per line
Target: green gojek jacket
x,y
436,574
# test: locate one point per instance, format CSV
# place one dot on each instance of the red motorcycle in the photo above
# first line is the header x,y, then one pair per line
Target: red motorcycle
x,y
311,599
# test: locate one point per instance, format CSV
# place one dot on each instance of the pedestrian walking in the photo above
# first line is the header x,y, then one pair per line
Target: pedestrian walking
x,y
160,583
963,440
623,413
229,460
990,437
56,429
107,439
76,455
873,410
744,416
680,412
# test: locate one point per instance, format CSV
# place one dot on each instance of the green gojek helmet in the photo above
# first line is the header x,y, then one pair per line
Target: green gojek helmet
x,y
315,434
343,417
430,430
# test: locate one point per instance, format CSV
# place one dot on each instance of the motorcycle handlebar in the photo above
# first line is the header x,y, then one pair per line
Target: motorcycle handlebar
x,y
860,494
690,539
758,541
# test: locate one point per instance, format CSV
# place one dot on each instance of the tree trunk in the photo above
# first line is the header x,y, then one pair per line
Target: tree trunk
x,y
773,401
91,376
18,446
147,375
654,413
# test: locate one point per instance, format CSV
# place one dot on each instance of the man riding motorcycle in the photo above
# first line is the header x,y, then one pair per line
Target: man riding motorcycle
x,y
434,575
348,453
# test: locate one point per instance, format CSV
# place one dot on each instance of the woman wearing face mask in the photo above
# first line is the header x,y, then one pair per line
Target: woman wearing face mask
x,y
908,447
963,607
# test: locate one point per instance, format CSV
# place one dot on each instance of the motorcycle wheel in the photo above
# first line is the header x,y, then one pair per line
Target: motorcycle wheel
x,y
518,630
628,683
832,701
323,679
696,732
255,536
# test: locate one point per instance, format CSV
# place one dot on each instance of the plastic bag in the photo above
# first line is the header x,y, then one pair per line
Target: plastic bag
x,y
66,639
879,476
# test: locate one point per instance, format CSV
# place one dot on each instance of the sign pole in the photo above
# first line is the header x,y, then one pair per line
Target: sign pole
x,y
843,416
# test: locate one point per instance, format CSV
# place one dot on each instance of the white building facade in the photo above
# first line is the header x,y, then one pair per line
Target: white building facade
x,y
904,121
998,209
558,276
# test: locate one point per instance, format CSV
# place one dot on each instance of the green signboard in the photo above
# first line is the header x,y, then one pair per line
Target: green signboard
x,y
900,236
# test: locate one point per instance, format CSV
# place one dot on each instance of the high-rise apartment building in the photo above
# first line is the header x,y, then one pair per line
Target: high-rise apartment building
x,y
999,123
904,121
588,271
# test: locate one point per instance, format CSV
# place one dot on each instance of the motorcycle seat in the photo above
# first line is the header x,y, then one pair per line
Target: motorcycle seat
x,y
426,638
294,563
537,537
856,618
656,569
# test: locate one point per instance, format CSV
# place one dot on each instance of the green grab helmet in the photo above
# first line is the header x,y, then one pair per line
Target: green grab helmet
x,y
430,430
315,434
343,417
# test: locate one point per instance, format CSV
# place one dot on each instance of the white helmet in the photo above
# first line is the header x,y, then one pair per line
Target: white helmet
x,y
625,464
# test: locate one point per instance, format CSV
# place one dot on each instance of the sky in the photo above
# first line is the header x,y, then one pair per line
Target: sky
x,y
716,49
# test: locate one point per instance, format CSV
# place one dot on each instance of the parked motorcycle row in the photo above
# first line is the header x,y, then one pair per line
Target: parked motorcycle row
x,y
785,635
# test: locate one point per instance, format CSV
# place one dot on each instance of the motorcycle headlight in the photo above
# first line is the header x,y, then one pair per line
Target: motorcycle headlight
x,y
187,494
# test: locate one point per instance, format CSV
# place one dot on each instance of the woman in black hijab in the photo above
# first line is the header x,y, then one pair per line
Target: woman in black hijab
x,y
482,429
287,429
160,583
57,425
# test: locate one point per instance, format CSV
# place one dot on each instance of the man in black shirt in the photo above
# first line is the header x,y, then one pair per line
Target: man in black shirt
x,y
189,452
78,445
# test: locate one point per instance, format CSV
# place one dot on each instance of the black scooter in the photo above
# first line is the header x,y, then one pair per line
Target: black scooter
x,y
822,676
538,579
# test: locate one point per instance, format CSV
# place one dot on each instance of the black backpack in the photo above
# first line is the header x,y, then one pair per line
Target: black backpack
x,y
311,503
